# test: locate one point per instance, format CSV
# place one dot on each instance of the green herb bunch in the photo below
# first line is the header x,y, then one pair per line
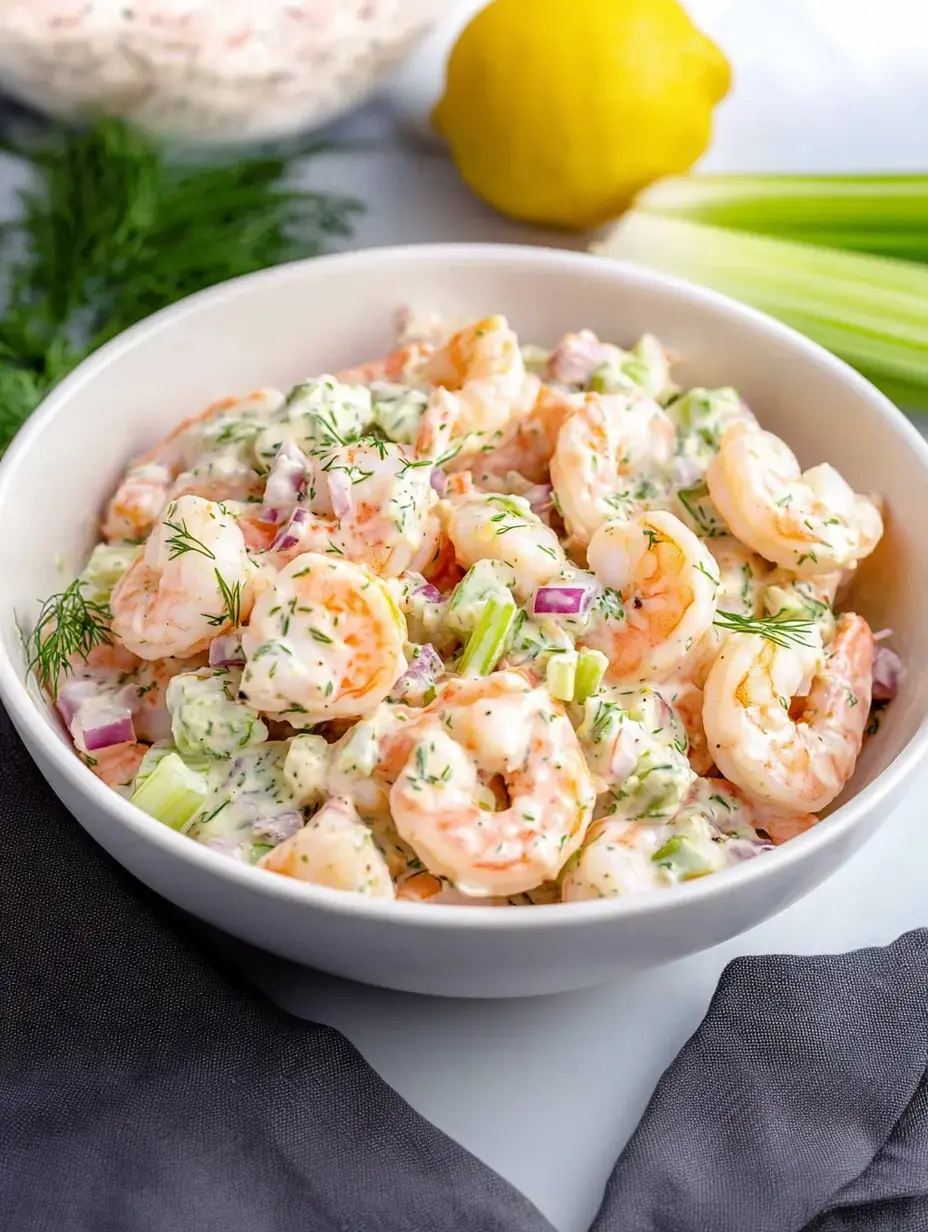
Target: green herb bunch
x,y
112,229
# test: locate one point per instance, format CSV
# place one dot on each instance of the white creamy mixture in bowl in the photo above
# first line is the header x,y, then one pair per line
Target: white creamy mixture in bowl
x,y
541,609
206,70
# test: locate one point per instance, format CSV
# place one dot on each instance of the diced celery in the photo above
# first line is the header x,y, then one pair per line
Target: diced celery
x,y
591,667
485,644
173,793
561,675
684,856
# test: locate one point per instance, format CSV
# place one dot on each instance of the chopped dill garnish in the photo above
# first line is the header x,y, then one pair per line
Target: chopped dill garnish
x,y
781,629
68,624
182,541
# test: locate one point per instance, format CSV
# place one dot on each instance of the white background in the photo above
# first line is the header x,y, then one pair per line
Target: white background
x,y
547,1091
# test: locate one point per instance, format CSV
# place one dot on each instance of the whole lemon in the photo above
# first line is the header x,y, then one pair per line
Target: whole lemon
x,y
559,111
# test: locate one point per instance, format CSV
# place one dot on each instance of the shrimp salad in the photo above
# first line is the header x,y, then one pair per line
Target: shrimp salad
x,y
475,623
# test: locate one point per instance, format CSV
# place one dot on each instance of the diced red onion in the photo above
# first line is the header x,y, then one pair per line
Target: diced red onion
x,y
72,696
226,651
439,480
226,847
278,828
340,492
686,472
540,498
576,358
286,483
421,674
562,600
747,848
625,753
292,534
886,674
109,727
428,592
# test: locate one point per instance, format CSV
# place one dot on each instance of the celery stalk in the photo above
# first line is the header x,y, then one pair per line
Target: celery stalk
x,y
172,793
485,644
872,311
883,214
561,675
591,668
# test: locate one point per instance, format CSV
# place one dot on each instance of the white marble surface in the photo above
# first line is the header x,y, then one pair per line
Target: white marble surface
x,y
547,1091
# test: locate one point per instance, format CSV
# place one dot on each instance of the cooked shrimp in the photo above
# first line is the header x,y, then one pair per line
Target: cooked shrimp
x,y
730,810
615,861
381,504
483,367
528,444
605,452
403,365
743,576
421,887
324,642
190,455
801,763
189,585
499,728
490,527
150,680
118,765
335,849
665,583
809,522
686,698
140,497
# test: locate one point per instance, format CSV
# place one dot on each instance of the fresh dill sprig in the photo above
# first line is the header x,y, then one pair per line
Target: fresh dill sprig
x,y
112,229
183,541
780,629
68,624
232,600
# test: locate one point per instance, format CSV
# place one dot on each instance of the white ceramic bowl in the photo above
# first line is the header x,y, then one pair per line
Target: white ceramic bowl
x,y
279,326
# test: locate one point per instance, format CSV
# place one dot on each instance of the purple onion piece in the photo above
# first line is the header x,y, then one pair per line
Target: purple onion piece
x,y
540,498
576,358
278,828
429,592
226,847
292,534
439,480
562,600
286,483
425,669
746,848
226,651
73,695
340,492
104,732
887,674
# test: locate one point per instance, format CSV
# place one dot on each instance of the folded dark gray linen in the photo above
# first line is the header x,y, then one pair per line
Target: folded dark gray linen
x,y
144,1087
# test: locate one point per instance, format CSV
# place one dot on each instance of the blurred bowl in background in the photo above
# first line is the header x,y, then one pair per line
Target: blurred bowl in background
x,y
206,70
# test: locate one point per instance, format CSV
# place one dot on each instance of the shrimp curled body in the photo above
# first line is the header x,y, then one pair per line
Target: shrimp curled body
x,y
799,764
476,731
667,582
175,598
808,522
325,641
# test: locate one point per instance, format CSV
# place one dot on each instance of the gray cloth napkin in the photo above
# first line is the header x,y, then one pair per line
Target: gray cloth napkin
x,y
145,1088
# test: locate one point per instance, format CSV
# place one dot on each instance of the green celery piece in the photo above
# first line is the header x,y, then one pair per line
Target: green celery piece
x,y
173,793
872,311
591,667
881,214
683,856
485,644
561,675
